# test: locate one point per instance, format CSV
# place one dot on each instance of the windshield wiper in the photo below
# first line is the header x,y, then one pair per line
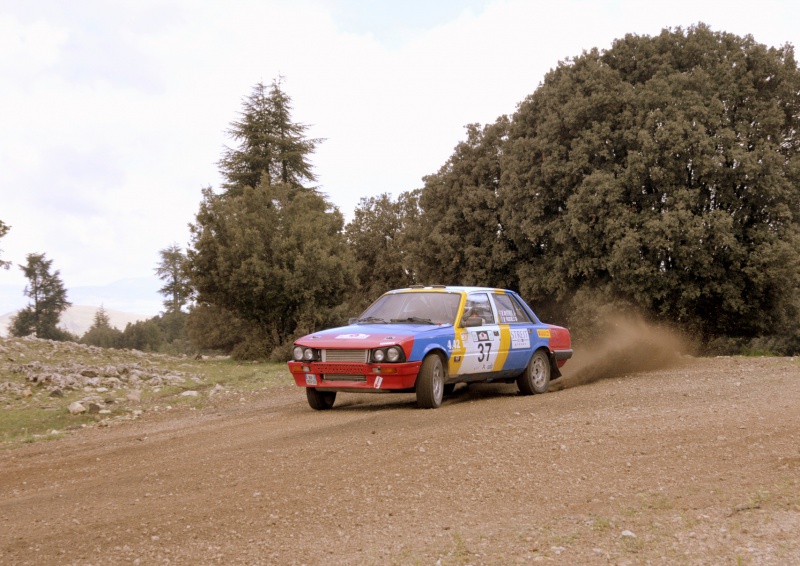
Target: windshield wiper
x,y
414,319
371,319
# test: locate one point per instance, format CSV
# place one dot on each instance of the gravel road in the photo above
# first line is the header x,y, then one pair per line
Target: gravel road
x,y
697,463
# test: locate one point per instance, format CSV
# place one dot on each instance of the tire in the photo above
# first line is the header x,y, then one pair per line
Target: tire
x,y
320,400
430,382
536,377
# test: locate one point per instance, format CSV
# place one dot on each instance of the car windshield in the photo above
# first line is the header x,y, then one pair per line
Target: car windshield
x,y
413,308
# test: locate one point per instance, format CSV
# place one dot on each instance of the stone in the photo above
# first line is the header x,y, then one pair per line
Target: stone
x,y
56,393
76,408
94,408
89,373
189,394
134,395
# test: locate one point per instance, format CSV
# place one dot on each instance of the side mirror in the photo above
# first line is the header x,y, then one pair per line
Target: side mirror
x,y
471,321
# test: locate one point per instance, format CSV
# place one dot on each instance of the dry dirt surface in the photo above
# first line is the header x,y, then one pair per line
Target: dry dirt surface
x,y
697,463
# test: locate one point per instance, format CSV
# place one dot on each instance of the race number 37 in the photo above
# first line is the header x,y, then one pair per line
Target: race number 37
x,y
484,351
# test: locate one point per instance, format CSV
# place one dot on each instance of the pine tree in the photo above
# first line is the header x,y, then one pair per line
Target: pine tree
x,y
271,146
172,270
49,300
267,252
101,333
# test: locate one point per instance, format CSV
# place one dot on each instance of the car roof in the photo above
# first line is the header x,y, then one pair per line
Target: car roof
x,y
448,289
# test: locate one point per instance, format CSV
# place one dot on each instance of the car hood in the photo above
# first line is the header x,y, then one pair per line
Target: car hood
x,y
366,335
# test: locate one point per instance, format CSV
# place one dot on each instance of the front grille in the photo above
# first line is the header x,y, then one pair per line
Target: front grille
x,y
341,368
343,377
345,356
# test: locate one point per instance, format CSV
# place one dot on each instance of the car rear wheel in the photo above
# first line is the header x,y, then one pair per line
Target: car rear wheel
x,y
536,377
430,382
320,400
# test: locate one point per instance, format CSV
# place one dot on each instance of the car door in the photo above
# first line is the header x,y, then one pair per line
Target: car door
x,y
484,350
518,326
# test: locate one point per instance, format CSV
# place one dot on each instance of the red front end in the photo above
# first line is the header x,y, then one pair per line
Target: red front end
x,y
341,376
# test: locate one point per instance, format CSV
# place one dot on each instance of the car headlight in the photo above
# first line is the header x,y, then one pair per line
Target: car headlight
x,y
297,353
393,354
308,354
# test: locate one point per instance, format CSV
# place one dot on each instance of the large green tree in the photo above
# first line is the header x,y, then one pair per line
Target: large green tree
x,y
48,300
663,173
267,254
274,256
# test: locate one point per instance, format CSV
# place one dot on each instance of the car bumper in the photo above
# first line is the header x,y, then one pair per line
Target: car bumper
x,y
355,376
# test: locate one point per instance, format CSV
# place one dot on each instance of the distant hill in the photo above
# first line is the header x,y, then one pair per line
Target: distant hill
x,y
77,319
138,294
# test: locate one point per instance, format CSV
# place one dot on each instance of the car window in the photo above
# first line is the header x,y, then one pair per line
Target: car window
x,y
509,310
478,305
436,307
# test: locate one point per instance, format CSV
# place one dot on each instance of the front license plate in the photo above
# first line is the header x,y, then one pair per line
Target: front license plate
x,y
311,379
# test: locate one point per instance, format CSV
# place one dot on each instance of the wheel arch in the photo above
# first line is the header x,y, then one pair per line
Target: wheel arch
x,y
438,350
555,372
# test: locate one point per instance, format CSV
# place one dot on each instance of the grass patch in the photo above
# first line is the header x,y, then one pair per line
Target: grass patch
x,y
31,370
30,424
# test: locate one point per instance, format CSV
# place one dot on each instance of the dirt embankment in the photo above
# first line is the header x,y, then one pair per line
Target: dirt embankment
x,y
696,462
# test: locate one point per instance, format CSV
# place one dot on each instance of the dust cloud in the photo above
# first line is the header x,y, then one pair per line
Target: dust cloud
x,y
625,345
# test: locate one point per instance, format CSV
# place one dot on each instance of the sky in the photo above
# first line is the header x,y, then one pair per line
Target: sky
x,y
113,113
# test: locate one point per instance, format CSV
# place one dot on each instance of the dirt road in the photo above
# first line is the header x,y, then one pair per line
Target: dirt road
x,y
696,464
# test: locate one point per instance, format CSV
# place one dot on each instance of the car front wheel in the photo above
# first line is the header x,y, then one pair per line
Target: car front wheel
x,y
320,400
430,382
536,377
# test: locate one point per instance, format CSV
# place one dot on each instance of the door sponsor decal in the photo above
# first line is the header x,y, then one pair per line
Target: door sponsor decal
x,y
520,339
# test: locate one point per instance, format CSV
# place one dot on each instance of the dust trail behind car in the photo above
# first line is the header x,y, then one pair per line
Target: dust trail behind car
x,y
626,345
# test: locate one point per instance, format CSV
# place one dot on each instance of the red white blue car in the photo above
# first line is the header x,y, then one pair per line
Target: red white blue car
x,y
425,340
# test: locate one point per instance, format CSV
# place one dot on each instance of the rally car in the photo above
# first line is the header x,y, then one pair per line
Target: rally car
x,y
425,340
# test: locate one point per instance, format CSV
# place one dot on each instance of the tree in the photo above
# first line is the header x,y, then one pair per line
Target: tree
x,y
460,238
267,252
663,173
172,270
49,300
377,238
144,335
271,146
101,333
4,228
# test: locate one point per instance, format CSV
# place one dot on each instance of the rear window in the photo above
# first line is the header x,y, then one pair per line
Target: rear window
x,y
509,310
